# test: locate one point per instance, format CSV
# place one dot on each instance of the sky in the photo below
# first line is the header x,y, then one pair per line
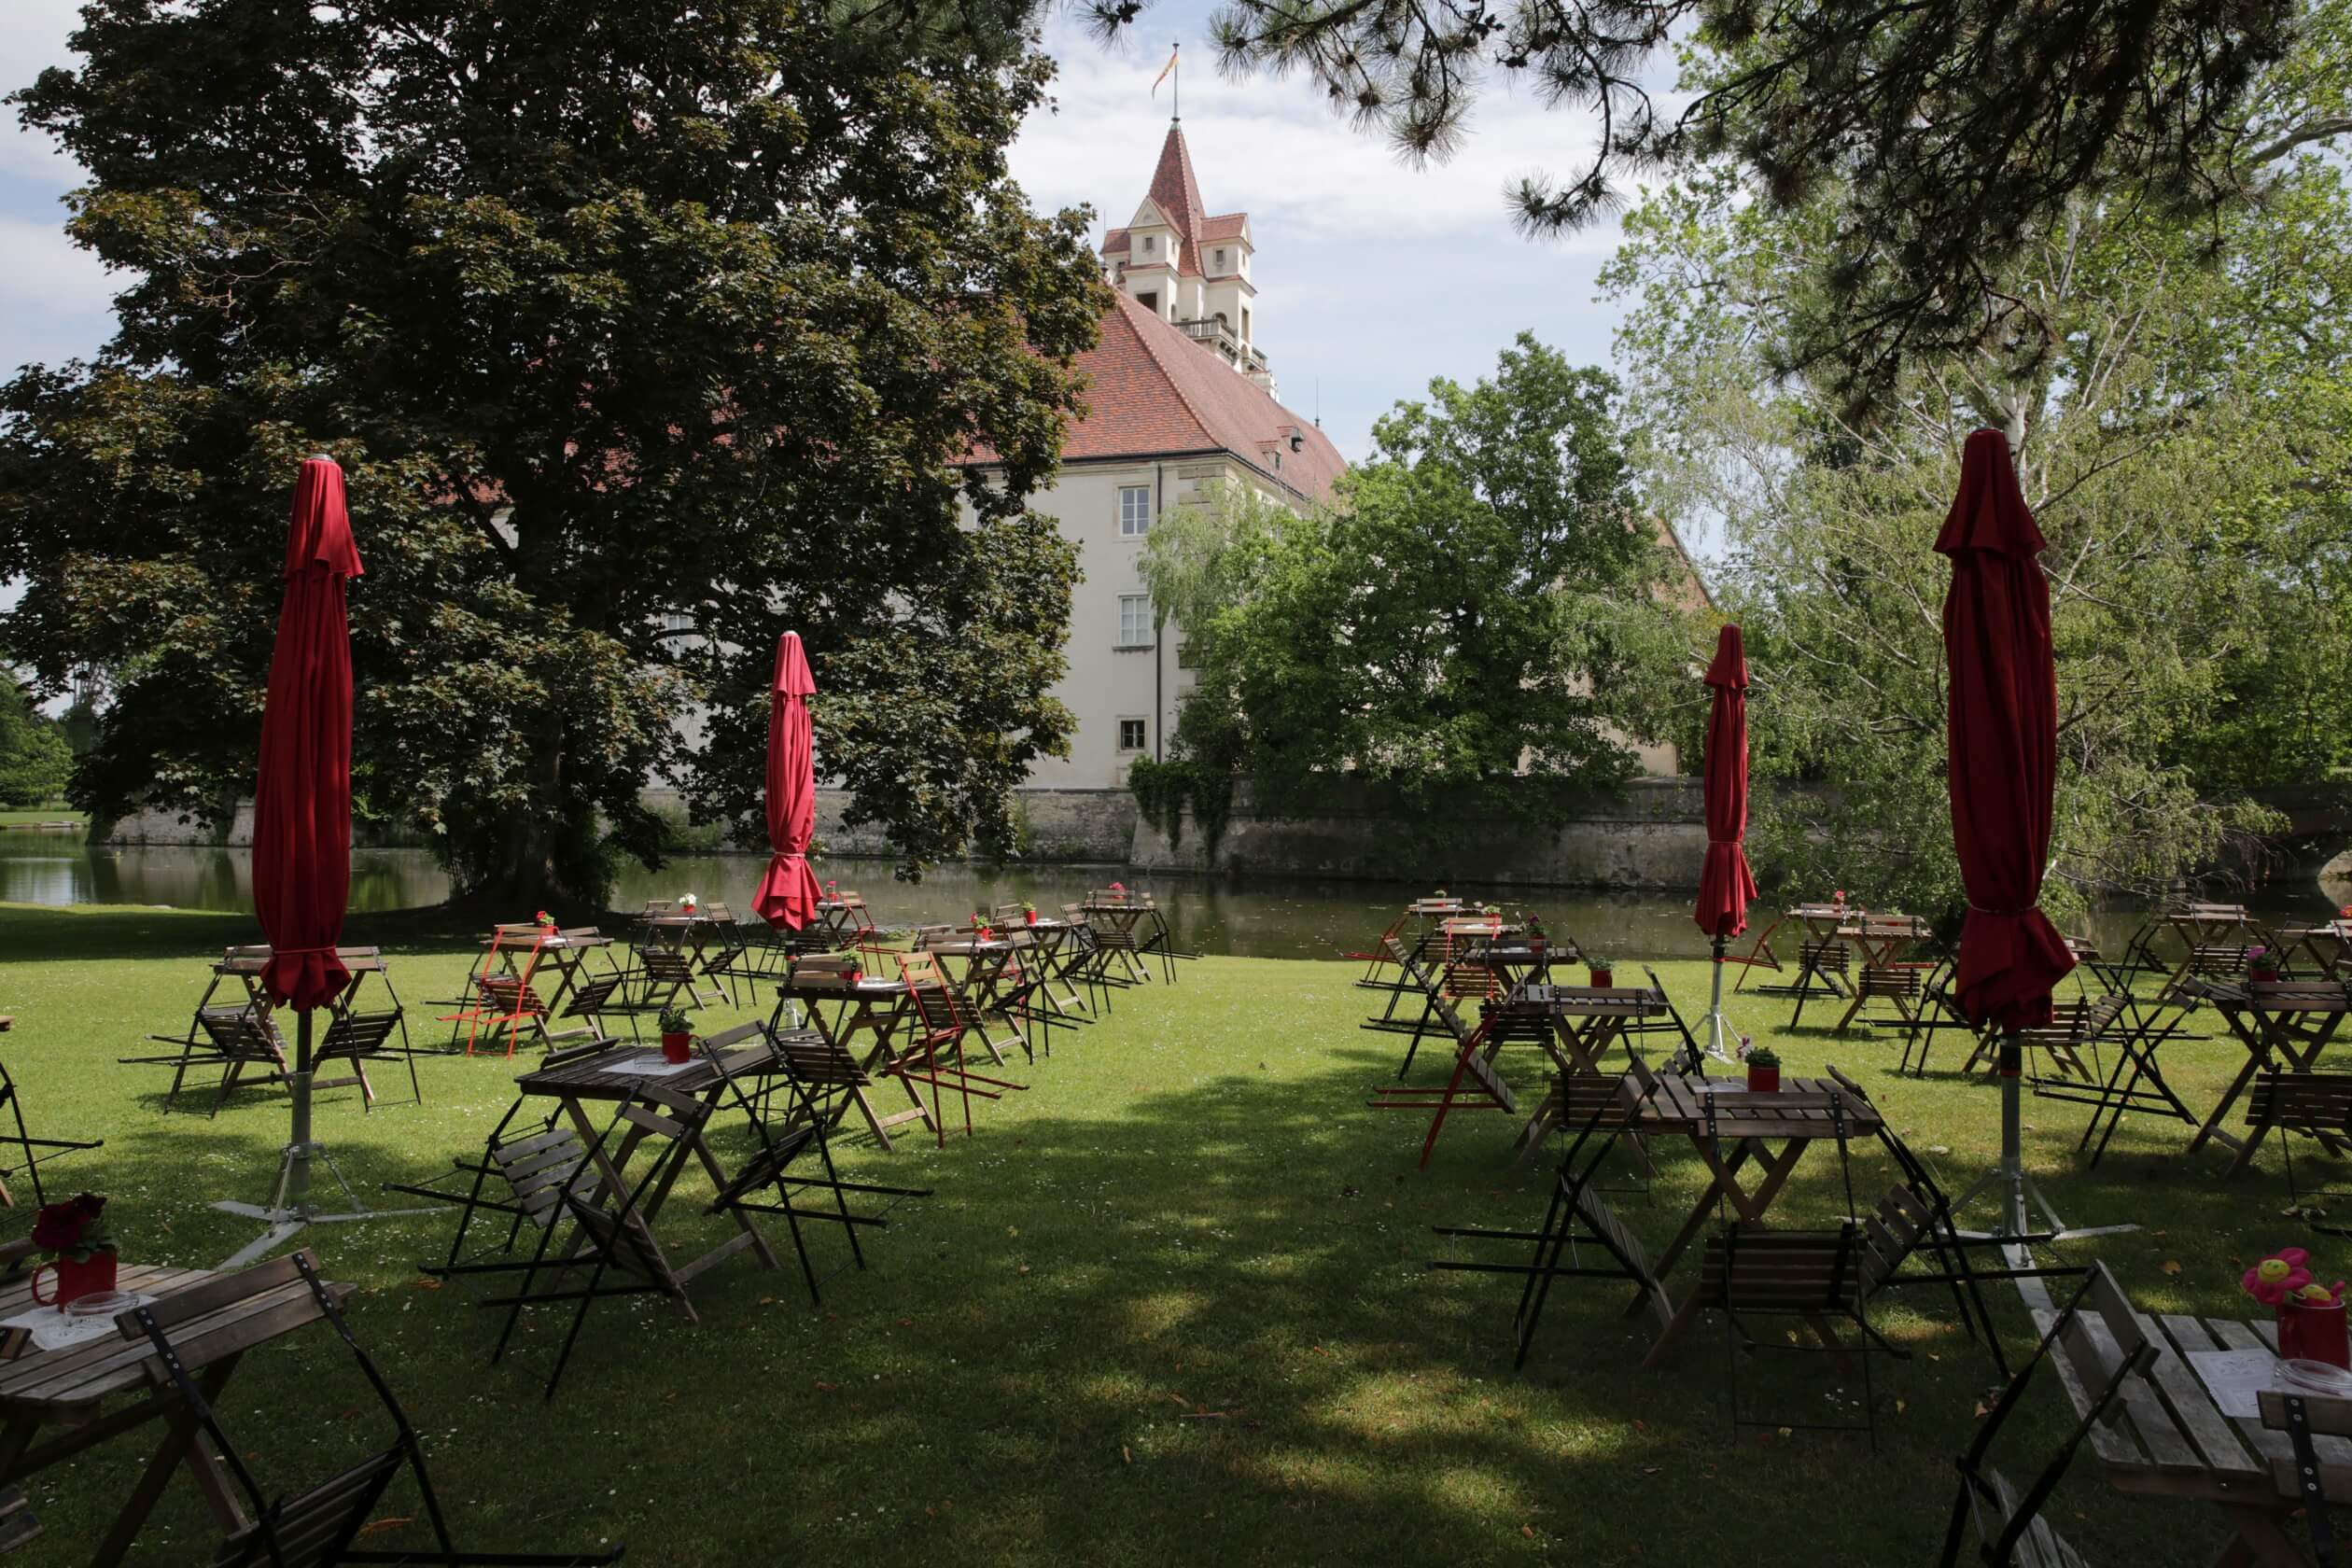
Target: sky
x,y
1373,277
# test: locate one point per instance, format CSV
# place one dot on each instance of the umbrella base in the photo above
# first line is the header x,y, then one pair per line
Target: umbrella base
x,y
291,1210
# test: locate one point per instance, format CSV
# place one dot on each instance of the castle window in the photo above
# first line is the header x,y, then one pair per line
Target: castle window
x,y
1135,620
1135,511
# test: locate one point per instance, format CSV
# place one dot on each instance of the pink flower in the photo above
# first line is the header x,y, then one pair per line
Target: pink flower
x,y
2278,1276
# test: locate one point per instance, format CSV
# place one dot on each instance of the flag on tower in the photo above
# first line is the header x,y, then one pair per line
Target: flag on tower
x,y
1164,69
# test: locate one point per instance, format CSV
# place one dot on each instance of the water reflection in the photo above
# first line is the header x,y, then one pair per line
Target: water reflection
x,y
1261,918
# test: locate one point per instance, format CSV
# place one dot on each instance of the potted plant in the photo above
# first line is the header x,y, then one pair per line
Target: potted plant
x,y
546,922
1029,913
688,903
981,929
1537,942
678,1033
833,891
1119,893
2262,965
1602,974
1763,1070
2310,1314
81,1246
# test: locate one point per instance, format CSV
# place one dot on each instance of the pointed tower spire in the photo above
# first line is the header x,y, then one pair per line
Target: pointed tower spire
x,y
1175,190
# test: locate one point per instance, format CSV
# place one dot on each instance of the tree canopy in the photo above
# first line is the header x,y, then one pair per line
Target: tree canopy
x,y
1472,621
34,758
1939,139
2182,441
642,334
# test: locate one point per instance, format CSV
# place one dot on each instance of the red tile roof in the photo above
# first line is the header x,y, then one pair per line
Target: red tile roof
x,y
1225,227
1153,392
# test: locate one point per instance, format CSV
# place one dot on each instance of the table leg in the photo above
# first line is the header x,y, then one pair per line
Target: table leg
x,y
2257,1058
2260,1538
180,1443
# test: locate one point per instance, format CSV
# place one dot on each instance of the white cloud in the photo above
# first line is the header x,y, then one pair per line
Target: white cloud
x,y
33,34
41,269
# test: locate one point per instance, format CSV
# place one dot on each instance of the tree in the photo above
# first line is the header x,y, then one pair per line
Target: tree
x,y
1473,621
641,333
1949,134
35,759
2180,440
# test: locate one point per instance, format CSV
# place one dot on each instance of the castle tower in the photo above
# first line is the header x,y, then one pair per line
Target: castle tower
x,y
1190,268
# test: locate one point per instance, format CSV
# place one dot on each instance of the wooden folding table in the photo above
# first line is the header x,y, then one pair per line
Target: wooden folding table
x,y
2296,1018
70,1389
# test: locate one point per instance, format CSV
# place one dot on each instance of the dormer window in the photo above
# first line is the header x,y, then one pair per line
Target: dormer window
x,y
1221,261
1147,244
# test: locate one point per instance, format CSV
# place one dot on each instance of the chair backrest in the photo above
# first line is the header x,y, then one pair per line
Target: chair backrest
x,y
359,1034
241,1033
2317,1101
928,991
2003,1516
929,937
833,966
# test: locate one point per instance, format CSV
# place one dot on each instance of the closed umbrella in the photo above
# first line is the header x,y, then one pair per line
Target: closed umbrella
x,y
2002,735
301,813
788,893
1725,882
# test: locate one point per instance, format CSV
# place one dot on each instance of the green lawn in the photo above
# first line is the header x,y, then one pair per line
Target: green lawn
x,y
42,814
1169,1304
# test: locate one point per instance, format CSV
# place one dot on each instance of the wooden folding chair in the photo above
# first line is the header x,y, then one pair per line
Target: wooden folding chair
x,y
1749,1270
802,1131
2009,1524
361,1038
229,1041
35,1152
523,1165
1476,1084
831,1082
935,1054
611,1239
1578,1217
2313,1105
1936,1012
315,1528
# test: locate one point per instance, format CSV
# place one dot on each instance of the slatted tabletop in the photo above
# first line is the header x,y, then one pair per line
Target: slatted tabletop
x,y
47,1383
1680,1105
2172,1439
1597,1002
607,1074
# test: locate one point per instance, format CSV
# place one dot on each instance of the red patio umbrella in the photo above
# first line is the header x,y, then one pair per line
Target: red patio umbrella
x,y
2003,738
1725,882
788,893
302,801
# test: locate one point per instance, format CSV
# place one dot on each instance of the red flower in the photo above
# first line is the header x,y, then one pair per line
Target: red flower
x,y
59,1226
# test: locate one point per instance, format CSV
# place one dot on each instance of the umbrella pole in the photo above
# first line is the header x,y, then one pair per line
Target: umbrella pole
x,y
293,1211
297,1177
2017,1189
1715,1006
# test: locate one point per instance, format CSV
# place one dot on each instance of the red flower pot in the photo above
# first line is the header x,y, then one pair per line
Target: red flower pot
x,y
75,1279
851,977
1029,915
1604,977
677,1047
1537,946
2264,976
2313,1333
1764,1079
